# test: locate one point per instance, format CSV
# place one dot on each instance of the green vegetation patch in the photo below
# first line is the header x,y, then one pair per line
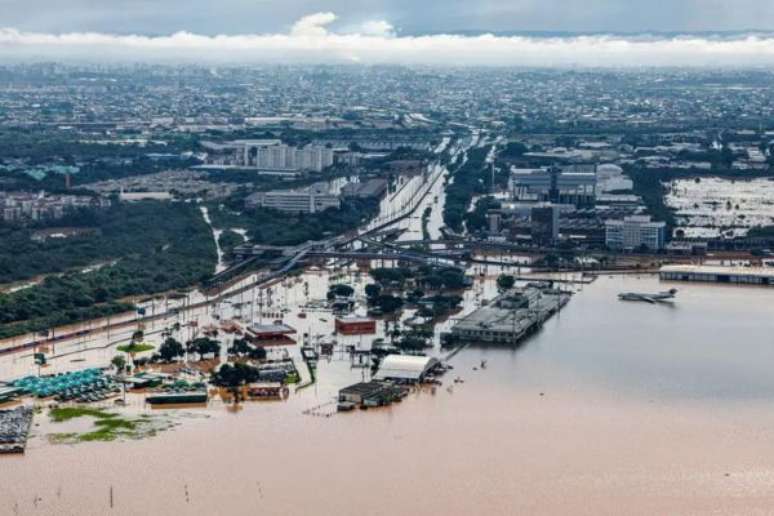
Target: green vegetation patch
x,y
62,414
109,429
108,426
272,227
761,232
158,247
135,348
469,179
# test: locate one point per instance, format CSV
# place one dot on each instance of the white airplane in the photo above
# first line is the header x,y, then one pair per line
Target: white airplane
x,y
661,297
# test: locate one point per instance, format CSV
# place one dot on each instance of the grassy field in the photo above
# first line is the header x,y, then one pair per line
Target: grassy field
x,y
108,426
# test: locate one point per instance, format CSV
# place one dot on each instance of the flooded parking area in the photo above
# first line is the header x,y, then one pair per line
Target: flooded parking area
x,y
711,207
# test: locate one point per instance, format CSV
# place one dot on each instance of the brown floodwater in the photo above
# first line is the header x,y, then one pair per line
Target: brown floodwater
x,y
612,408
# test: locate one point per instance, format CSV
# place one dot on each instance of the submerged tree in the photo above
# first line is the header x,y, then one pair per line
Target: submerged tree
x,y
505,282
119,362
171,349
234,376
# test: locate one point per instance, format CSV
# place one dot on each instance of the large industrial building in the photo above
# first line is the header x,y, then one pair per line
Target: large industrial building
x,y
544,223
371,188
718,274
571,186
635,232
511,317
269,155
312,199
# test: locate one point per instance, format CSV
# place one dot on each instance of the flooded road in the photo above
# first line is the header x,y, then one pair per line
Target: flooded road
x,y
709,207
220,266
612,408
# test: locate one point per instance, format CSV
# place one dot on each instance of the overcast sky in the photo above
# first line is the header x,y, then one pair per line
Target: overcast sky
x,y
414,16
393,31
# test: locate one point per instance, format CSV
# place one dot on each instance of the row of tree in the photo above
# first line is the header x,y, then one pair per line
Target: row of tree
x,y
157,247
470,179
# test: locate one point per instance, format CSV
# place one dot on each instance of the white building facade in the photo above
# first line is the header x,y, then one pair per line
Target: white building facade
x,y
635,232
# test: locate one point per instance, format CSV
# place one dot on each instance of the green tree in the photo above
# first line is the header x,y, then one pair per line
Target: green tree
x,y
119,362
171,349
505,282
234,376
257,353
372,290
340,290
415,295
388,303
240,347
453,278
204,346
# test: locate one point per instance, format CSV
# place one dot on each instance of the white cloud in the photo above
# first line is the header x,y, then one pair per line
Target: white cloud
x,y
311,40
377,28
313,25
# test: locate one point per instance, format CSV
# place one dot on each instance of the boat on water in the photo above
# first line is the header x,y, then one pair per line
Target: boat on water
x,y
660,297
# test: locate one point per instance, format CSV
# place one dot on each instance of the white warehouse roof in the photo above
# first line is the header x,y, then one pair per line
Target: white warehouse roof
x,y
405,367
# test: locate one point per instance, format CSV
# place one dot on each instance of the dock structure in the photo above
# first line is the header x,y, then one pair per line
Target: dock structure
x,y
511,317
718,274
14,427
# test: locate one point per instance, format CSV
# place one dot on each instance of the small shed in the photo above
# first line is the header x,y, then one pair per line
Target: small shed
x,y
359,392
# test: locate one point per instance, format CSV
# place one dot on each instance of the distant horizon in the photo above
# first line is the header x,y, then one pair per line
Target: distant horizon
x,y
429,17
312,39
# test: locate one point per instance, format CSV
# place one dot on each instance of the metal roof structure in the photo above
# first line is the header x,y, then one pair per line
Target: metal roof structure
x,y
763,272
405,367
719,274
270,328
363,389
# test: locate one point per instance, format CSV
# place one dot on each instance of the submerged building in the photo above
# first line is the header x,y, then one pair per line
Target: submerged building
x,y
406,368
718,274
355,326
511,317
